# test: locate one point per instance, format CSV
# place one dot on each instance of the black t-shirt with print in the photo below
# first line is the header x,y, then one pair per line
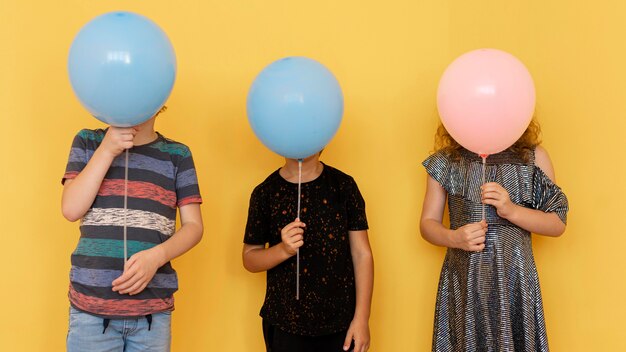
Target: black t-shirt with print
x,y
331,205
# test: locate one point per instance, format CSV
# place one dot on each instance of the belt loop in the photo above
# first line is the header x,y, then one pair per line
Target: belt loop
x,y
105,324
149,319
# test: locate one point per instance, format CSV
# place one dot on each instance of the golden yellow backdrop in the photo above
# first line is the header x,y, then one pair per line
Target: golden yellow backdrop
x,y
388,56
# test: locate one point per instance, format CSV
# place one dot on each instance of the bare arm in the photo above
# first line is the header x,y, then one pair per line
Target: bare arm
x,y
431,225
79,193
470,237
257,258
533,220
142,266
363,262
188,235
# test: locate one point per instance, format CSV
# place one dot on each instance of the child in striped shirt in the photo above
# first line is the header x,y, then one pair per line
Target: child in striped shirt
x,y
118,304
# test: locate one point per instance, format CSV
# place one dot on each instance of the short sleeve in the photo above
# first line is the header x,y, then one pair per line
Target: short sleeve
x,y
78,157
257,226
357,219
548,197
438,167
187,188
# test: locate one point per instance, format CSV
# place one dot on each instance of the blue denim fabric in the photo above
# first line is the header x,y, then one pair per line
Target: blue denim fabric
x,y
122,335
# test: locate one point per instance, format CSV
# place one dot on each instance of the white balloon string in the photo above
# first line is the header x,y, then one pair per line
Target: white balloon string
x,y
484,167
298,216
125,207
479,254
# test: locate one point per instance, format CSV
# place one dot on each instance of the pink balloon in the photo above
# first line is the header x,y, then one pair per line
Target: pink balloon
x,y
486,99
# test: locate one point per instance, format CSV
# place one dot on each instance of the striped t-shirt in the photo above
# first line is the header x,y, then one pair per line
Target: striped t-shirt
x,y
161,177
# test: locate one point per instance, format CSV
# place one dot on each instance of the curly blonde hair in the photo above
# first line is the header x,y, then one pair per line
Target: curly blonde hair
x,y
523,147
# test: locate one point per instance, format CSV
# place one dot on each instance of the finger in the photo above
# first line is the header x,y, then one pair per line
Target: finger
x,y
490,202
127,274
300,223
135,287
298,244
477,248
130,262
138,291
126,130
128,283
476,230
358,345
492,195
348,340
294,232
292,225
474,236
132,284
296,238
478,240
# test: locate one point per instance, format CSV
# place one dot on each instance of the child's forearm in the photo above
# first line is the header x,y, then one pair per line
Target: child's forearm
x,y
537,221
434,232
258,258
79,193
187,236
364,279
363,263
182,241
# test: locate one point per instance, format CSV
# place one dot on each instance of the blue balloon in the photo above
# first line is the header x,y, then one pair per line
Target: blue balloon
x,y
295,106
122,67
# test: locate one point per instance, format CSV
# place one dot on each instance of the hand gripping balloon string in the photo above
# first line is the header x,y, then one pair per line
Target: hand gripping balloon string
x,y
298,250
125,207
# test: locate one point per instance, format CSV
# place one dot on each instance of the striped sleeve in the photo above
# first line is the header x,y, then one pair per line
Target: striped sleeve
x,y
187,188
78,159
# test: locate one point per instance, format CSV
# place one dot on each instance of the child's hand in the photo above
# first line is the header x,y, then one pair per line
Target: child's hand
x,y
470,237
292,236
138,271
358,331
117,140
494,194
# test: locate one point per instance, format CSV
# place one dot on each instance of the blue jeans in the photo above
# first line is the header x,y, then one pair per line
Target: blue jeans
x,y
128,335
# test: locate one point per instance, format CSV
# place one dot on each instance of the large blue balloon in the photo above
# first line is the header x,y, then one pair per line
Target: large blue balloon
x,y
295,107
122,67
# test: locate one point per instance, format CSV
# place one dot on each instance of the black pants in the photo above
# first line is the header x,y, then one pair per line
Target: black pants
x,y
277,340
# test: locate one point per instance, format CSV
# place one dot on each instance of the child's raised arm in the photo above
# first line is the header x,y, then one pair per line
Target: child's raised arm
x,y
257,258
80,192
533,220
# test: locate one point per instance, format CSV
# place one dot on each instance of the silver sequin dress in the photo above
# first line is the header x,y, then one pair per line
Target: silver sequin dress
x,y
491,300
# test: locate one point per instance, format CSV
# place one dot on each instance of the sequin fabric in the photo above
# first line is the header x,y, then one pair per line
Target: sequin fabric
x,y
491,300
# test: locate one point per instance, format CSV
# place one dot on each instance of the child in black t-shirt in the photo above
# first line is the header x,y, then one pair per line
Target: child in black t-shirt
x,y
336,268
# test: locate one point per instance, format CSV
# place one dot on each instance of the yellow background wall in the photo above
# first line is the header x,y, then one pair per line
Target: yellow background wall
x,y
388,56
